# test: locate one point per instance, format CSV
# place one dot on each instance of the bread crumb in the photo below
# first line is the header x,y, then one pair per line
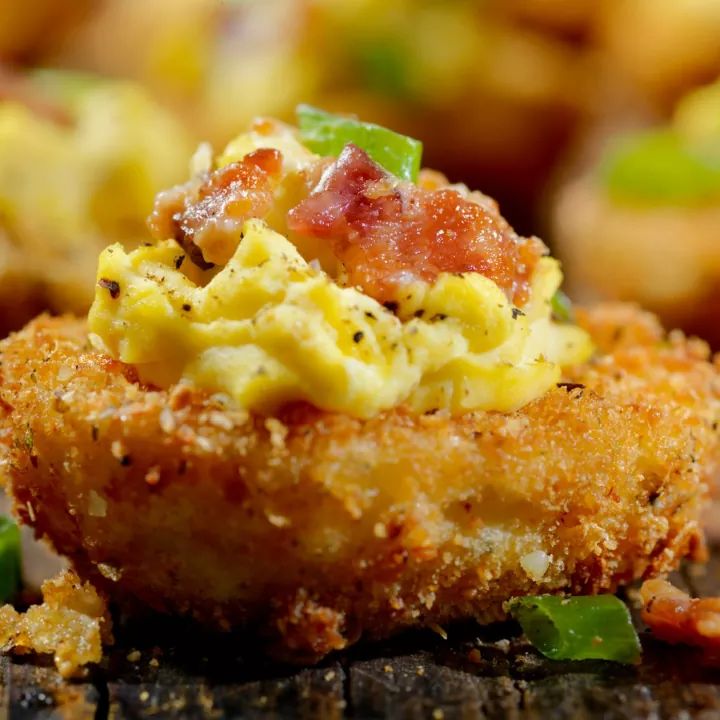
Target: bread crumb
x,y
72,623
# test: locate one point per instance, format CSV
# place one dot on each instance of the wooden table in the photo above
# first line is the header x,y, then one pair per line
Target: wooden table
x,y
476,673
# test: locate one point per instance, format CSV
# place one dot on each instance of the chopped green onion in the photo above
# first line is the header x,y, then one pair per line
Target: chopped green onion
x,y
9,558
578,628
660,167
562,308
327,134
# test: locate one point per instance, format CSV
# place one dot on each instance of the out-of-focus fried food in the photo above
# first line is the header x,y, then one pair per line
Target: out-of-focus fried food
x,y
662,48
576,19
80,161
29,30
675,617
72,623
641,223
317,527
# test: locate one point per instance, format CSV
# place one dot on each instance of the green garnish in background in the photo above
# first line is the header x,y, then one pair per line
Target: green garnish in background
x,y
9,558
327,134
578,628
661,167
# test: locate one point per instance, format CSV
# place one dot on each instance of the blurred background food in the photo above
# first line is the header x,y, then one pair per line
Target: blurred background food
x,y
580,116
641,220
80,160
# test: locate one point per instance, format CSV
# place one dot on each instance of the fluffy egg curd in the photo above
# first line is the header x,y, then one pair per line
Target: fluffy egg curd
x,y
278,322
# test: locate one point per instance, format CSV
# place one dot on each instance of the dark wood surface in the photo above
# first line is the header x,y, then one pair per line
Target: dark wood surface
x,y
169,672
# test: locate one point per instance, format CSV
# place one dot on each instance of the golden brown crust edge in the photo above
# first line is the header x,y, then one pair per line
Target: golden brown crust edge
x,y
317,528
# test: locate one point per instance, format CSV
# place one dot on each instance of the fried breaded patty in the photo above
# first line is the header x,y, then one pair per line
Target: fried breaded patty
x,y
316,528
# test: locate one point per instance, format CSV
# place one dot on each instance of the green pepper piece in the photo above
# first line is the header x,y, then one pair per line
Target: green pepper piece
x,y
562,308
578,628
327,134
659,167
9,558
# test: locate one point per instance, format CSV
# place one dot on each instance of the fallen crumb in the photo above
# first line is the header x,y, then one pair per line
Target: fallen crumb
x,y
154,663
72,623
329,675
438,714
134,656
388,669
144,695
475,656
420,670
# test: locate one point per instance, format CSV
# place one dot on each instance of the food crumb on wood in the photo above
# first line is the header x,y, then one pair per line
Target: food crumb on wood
x,y
72,623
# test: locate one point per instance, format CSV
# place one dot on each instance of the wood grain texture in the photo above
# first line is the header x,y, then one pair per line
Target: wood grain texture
x,y
164,670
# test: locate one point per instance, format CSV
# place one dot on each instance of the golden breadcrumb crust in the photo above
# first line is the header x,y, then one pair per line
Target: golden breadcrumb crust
x,y
315,528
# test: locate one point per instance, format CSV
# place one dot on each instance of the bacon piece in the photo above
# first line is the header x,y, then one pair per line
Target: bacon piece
x,y
206,216
388,233
675,617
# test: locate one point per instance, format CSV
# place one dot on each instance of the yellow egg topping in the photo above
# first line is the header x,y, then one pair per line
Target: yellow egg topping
x,y
270,326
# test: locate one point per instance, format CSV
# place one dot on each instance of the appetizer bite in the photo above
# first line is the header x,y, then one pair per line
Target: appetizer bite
x,y
336,396
643,222
80,161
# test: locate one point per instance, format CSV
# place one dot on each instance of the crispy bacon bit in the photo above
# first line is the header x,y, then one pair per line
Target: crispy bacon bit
x,y
675,617
206,216
388,233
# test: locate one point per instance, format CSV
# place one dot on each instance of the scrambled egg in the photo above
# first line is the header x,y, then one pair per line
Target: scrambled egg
x,y
270,327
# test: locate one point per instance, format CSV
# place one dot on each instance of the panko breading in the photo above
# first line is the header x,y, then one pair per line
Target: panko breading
x,y
317,528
